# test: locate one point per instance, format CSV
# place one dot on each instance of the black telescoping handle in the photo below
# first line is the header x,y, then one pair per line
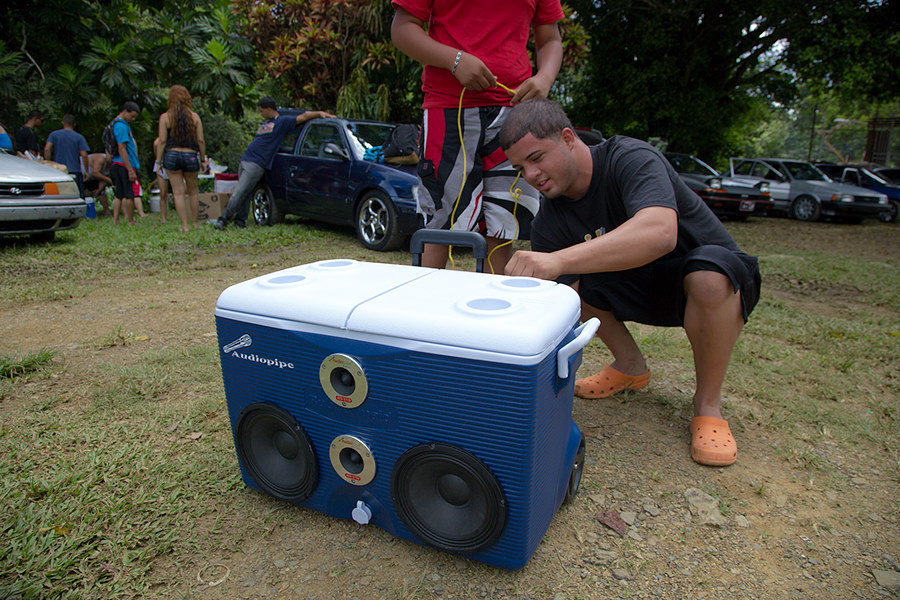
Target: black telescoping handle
x,y
469,239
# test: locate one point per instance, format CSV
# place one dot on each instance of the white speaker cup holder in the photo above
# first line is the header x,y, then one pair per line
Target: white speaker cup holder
x,y
487,306
334,264
352,460
283,280
521,284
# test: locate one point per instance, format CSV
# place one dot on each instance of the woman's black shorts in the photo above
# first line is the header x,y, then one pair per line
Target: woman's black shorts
x,y
654,294
178,160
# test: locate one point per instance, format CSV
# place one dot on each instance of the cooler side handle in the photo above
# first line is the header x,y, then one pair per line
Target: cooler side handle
x,y
470,239
583,335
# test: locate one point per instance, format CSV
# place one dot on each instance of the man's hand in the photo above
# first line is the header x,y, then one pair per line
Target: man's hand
x,y
533,87
543,265
473,74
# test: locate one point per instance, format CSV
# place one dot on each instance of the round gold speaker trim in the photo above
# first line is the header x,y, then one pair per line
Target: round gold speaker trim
x,y
343,380
352,460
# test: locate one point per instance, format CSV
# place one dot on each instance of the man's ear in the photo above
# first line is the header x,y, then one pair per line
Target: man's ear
x,y
568,137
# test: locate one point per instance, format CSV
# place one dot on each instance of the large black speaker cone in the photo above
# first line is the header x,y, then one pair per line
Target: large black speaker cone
x,y
448,498
276,452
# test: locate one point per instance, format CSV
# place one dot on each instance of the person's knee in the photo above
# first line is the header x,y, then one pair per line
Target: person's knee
x,y
589,311
708,288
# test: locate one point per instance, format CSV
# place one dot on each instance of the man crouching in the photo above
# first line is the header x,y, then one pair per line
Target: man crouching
x,y
617,223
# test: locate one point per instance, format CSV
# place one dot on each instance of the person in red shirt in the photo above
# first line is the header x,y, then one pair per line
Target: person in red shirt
x,y
476,66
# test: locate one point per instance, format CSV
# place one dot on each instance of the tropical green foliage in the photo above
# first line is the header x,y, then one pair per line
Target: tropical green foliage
x,y
88,57
851,47
10,66
226,139
334,55
116,66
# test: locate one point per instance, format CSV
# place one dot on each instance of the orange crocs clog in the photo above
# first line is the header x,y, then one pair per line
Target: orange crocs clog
x,y
609,381
712,443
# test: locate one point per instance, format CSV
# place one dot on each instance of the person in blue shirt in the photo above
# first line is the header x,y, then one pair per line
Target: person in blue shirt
x,y
258,158
5,141
67,146
124,166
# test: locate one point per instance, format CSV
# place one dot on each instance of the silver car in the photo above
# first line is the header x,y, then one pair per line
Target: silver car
x,y
806,193
37,200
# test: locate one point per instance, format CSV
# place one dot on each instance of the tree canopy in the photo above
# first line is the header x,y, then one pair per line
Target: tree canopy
x,y
88,57
701,74
689,71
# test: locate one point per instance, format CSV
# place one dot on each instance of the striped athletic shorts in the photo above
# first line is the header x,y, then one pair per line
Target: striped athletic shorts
x,y
486,204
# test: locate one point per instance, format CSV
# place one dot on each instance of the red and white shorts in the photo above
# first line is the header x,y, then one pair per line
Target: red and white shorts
x,y
487,204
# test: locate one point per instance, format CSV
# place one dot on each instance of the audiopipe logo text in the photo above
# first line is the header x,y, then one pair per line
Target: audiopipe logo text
x,y
243,342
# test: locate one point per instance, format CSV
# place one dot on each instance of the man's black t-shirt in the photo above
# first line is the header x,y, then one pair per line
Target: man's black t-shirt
x,y
628,175
26,139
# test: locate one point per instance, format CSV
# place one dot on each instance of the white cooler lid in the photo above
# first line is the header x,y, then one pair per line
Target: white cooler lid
x,y
519,316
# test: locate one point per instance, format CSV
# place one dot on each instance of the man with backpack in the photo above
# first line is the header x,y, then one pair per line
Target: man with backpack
x,y
119,143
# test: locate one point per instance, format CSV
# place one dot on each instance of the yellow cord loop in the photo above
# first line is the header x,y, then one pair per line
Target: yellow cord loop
x,y
513,190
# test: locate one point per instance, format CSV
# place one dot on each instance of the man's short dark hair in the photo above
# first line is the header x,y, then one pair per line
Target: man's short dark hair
x,y
130,106
267,102
69,120
35,114
540,117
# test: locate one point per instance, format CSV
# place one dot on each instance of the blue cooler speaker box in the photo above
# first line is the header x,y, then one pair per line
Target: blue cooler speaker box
x,y
434,404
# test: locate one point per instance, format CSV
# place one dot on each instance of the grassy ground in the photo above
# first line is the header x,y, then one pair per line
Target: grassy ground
x,y
115,449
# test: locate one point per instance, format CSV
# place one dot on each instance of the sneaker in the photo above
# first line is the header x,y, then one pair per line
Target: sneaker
x,y
217,223
239,224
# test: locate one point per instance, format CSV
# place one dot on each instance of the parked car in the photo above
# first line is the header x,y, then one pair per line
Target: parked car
x,y
725,196
863,177
891,174
319,173
37,200
802,191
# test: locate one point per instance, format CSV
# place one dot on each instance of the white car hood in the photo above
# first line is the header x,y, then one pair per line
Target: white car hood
x,y
14,169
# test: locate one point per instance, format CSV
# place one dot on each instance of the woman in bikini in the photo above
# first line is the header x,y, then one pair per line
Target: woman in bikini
x,y
182,152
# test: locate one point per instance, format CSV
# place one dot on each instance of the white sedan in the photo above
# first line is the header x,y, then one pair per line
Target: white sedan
x,y
37,200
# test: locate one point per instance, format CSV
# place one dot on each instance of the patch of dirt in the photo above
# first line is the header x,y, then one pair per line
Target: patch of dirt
x,y
785,530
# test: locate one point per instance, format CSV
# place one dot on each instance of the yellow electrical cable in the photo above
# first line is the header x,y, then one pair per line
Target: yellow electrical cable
x,y
463,185
514,192
512,92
